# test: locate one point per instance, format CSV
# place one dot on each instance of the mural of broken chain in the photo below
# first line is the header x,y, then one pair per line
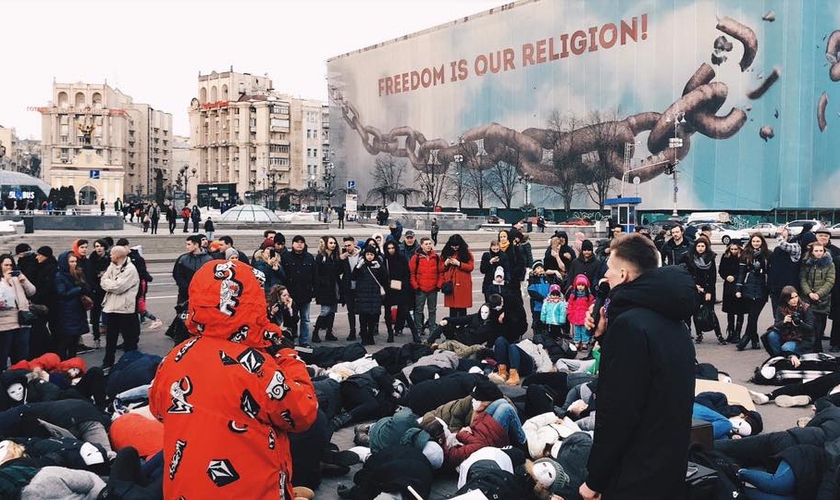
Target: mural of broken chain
x,y
535,151
832,54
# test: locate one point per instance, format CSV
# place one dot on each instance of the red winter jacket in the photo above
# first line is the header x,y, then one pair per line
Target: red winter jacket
x,y
577,306
426,271
225,401
485,432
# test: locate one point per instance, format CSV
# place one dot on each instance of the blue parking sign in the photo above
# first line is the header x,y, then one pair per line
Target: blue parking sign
x,y
351,184
94,174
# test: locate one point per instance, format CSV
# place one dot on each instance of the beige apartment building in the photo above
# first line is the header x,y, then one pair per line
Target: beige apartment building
x,y
249,142
130,148
9,154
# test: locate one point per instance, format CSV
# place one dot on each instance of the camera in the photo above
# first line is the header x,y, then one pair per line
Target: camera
x,y
796,318
16,272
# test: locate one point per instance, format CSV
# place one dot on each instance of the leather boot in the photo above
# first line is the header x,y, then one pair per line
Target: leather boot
x,y
316,339
415,337
352,336
742,343
513,379
329,326
503,372
730,334
390,337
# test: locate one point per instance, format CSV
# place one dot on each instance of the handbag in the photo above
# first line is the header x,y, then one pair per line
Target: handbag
x,y
25,318
396,285
704,317
87,302
448,288
39,310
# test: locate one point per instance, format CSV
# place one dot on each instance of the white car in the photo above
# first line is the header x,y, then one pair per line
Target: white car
x,y
835,231
795,227
725,233
767,229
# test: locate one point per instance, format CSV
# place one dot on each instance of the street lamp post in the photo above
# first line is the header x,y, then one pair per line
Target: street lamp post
x,y
274,176
329,177
674,144
459,162
526,180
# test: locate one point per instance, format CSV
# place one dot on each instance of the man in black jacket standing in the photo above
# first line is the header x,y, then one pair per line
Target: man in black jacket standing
x,y
646,381
187,264
674,249
299,266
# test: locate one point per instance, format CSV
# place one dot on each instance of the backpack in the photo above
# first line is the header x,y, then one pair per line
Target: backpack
x,y
725,481
495,484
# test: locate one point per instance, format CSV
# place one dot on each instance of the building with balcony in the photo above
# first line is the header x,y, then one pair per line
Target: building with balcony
x,y
251,142
130,147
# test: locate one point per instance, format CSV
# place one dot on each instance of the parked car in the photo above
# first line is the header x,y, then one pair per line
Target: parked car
x,y
767,229
794,227
494,219
835,230
726,233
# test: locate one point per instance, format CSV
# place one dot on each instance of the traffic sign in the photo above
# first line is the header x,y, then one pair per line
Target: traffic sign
x,y
94,174
351,184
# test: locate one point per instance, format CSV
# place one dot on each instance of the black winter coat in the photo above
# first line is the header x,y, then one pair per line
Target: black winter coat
x,y
65,413
646,358
488,269
69,303
327,278
475,330
781,272
300,275
429,394
397,269
704,278
731,303
672,253
369,276
752,278
588,268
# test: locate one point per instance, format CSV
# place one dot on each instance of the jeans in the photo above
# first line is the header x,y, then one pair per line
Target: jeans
x,y
581,334
137,393
350,304
513,356
172,224
93,432
774,343
505,414
209,235
779,485
304,322
327,310
154,226
429,299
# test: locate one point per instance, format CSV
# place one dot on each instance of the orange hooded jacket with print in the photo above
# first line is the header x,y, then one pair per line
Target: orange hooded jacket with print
x,y
226,403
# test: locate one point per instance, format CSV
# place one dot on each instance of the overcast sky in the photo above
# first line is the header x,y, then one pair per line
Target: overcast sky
x,y
154,51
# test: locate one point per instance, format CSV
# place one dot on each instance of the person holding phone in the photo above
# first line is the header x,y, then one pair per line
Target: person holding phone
x,y
15,289
268,262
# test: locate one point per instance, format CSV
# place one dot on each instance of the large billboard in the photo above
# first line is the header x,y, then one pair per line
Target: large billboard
x,y
561,92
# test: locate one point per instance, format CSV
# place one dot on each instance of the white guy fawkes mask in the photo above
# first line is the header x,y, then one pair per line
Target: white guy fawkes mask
x,y
91,454
484,312
544,474
16,391
741,426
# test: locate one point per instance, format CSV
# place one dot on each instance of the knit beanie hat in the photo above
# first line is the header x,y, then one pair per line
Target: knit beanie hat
x,y
486,391
554,288
500,271
22,247
553,477
537,264
754,419
586,245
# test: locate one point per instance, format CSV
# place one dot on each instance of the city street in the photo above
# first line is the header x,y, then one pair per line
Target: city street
x,y
740,365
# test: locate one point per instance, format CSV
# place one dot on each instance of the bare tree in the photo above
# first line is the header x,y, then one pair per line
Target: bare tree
x,y
598,177
474,182
458,178
568,168
432,179
406,193
388,176
502,179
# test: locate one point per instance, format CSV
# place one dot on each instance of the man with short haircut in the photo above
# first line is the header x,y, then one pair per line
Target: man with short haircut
x,y
426,273
409,246
154,216
120,284
674,249
227,243
647,358
187,264
299,266
350,255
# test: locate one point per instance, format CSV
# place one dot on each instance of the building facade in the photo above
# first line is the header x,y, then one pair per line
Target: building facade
x,y
9,154
98,140
710,105
254,144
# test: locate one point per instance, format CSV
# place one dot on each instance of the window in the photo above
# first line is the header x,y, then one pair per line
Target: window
x,y
252,122
63,139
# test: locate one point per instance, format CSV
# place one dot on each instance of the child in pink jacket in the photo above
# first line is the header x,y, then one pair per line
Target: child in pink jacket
x,y
580,298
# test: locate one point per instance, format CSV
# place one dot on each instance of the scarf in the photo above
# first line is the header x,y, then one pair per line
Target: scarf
x,y
701,263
